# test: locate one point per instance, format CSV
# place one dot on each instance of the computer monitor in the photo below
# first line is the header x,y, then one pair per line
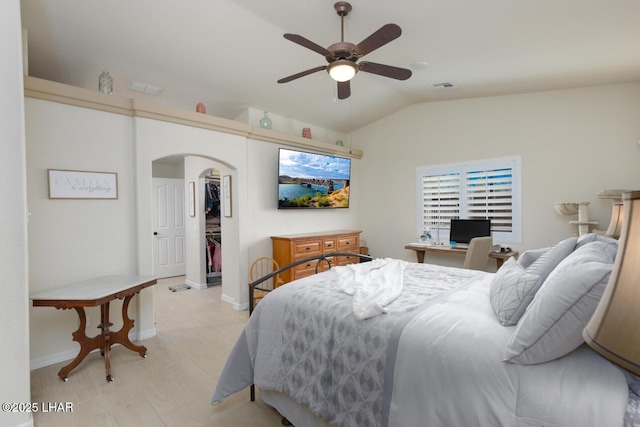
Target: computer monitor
x,y
463,230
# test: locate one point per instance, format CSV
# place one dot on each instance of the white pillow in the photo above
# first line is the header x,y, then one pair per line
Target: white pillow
x,y
545,264
593,237
552,324
516,283
528,257
512,290
597,250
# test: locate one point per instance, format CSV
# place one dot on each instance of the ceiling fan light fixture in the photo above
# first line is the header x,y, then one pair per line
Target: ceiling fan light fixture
x,y
342,70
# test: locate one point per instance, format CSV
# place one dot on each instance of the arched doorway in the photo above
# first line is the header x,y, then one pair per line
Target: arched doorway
x,y
156,140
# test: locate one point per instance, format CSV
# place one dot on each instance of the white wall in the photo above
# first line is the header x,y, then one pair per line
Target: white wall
x,y
291,126
267,220
573,144
75,240
14,297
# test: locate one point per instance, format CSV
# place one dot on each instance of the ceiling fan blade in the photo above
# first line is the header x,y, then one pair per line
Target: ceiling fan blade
x,y
385,70
307,43
302,74
344,90
379,38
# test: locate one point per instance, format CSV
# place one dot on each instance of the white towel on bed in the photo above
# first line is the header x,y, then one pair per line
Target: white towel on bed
x,y
373,285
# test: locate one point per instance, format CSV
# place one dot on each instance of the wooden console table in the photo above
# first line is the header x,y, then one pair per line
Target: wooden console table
x,y
500,257
93,293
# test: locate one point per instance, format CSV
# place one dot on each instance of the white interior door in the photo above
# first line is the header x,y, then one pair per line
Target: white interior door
x,y
168,225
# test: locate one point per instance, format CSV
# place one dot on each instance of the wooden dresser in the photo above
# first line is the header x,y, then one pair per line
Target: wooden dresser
x,y
294,247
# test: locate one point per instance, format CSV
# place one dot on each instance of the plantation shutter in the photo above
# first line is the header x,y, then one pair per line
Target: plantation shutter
x,y
489,194
440,200
485,189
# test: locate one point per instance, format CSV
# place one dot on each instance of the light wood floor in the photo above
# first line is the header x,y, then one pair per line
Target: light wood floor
x,y
172,386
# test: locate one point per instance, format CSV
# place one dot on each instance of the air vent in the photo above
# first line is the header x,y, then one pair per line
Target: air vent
x,y
145,88
444,85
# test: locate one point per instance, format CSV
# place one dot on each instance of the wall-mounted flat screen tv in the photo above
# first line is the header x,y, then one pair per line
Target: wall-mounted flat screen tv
x,y
312,181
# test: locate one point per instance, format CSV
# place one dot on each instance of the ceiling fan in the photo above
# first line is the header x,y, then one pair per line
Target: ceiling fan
x,y
343,56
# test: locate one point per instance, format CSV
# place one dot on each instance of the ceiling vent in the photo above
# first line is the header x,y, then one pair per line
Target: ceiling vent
x,y
444,85
145,88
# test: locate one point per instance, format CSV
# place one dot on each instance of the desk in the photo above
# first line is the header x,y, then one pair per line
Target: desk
x,y
93,293
500,257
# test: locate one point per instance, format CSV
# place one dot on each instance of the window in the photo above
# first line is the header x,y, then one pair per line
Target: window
x,y
474,190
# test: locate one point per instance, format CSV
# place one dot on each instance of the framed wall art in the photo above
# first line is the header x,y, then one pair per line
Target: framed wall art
x,y
68,184
226,195
192,198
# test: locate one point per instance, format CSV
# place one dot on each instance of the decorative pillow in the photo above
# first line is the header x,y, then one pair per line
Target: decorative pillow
x,y
552,324
545,264
593,237
597,250
529,257
512,290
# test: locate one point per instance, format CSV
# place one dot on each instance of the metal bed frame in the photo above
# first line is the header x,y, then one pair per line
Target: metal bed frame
x,y
320,259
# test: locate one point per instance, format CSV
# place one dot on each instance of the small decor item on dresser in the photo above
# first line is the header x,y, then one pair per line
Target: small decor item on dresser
x,y
306,133
265,121
200,108
105,83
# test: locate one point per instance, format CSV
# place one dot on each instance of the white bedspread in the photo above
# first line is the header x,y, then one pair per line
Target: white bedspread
x,y
457,378
373,285
445,369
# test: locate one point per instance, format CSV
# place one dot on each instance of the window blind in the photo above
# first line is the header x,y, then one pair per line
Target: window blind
x,y
487,189
440,200
490,196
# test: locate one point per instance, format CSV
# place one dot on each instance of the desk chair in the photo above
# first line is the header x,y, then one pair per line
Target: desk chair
x,y
478,253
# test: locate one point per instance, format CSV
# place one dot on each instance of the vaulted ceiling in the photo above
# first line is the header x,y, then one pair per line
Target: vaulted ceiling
x,y
229,54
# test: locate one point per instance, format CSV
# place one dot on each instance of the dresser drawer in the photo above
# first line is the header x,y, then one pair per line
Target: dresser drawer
x,y
329,245
309,268
307,248
347,242
344,260
304,270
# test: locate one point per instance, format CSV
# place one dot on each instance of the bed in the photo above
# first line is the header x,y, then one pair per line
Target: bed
x,y
392,343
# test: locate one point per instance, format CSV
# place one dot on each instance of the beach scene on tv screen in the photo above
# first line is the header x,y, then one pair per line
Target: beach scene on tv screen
x,y
309,180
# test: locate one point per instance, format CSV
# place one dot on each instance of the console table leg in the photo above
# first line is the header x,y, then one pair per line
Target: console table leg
x,y
106,338
122,336
87,345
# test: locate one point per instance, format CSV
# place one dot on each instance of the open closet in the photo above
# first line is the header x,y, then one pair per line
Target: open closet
x,y
213,232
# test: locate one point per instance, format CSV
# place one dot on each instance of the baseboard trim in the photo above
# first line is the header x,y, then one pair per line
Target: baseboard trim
x,y
52,359
196,285
27,424
143,335
63,356
234,304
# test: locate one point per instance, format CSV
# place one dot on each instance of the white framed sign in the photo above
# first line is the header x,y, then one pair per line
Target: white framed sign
x,y
226,195
66,184
192,198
